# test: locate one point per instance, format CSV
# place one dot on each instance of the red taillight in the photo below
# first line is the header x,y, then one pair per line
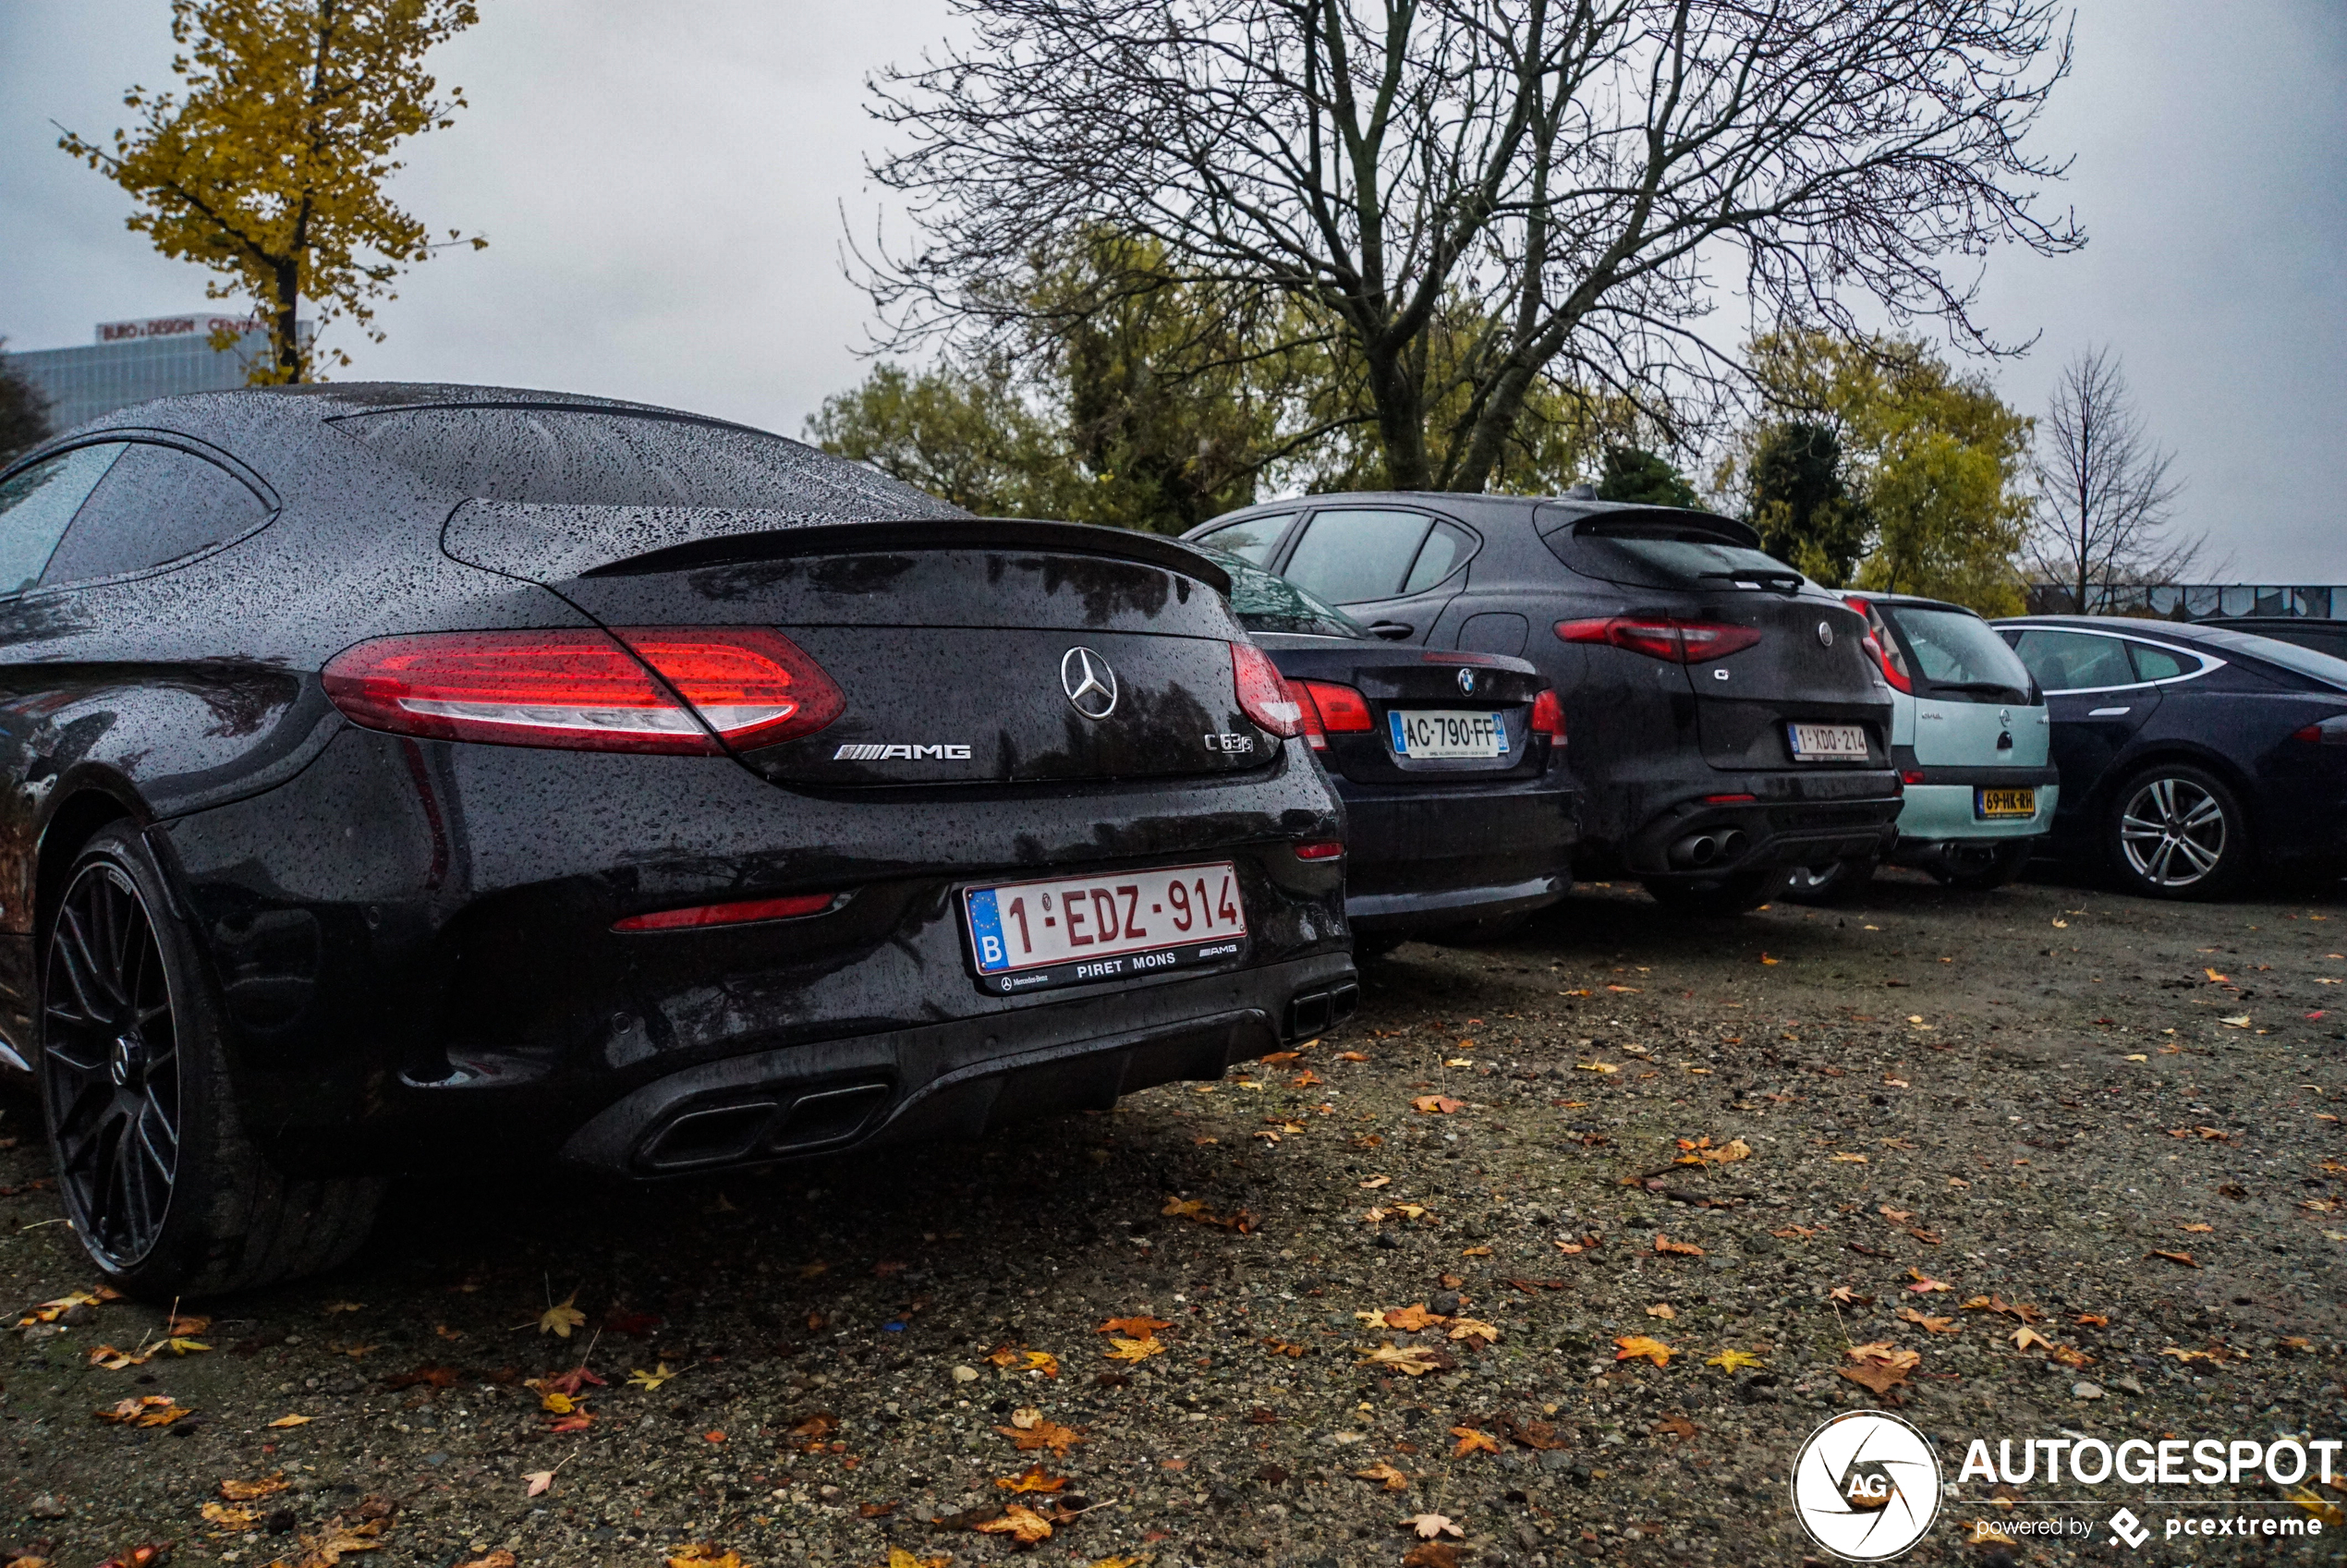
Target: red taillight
x,y
1264,694
1912,776
2330,732
1342,711
582,690
1728,799
1662,637
1327,849
740,913
1548,716
1883,648
1316,734
753,685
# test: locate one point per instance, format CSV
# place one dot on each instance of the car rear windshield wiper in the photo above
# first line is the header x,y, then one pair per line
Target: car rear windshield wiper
x,y
1790,581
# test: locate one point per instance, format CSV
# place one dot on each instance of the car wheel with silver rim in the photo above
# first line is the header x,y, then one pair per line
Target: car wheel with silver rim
x,y
2176,830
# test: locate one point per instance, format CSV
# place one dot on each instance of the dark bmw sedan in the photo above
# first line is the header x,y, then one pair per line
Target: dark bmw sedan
x,y
1728,721
2191,755
421,776
1460,811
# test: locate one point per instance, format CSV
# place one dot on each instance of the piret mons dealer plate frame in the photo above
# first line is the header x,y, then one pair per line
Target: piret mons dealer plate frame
x,y
1126,925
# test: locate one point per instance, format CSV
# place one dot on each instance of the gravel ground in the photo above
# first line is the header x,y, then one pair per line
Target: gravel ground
x,y
2024,1096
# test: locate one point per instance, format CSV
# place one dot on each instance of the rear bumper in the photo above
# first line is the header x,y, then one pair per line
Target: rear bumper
x,y
415,959
1790,820
960,1079
1936,811
1423,856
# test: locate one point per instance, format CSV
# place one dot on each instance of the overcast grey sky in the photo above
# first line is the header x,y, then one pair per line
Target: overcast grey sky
x,y
663,188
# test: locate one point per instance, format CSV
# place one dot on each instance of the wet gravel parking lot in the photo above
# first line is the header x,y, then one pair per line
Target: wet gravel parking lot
x,y
1560,1249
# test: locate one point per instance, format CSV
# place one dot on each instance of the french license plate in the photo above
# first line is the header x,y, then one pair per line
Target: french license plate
x,y
2004,803
1827,742
1072,929
1433,732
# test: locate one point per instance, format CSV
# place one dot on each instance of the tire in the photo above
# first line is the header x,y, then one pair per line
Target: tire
x,y
1837,881
1718,895
2174,831
1994,866
163,1191
1370,945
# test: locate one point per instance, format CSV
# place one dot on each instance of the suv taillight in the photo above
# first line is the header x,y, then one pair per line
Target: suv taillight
x,y
1882,647
1264,694
1342,710
1548,716
1663,637
588,690
2330,732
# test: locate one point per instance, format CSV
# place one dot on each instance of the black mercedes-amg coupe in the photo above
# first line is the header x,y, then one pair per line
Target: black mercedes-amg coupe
x,y
401,776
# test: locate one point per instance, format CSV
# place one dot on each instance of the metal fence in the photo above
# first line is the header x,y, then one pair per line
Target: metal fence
x,y
2196,602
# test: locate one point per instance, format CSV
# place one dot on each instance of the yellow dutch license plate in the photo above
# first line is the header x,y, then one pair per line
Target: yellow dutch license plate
x,y
2005,803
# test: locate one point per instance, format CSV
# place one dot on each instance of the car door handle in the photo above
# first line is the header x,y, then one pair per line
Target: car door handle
x,y
2106,712
1393,631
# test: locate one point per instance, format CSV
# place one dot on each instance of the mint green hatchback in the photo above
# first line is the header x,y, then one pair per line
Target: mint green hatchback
x,y
1969,736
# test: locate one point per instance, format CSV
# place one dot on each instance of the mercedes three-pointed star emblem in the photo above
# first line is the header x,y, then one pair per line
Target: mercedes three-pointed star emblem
x,y
1090,683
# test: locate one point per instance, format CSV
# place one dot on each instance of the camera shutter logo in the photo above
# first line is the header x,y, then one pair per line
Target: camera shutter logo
x,y
1090,683
1866,1486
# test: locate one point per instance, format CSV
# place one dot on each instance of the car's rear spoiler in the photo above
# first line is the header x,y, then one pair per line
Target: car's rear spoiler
x,y
549,543
1597,519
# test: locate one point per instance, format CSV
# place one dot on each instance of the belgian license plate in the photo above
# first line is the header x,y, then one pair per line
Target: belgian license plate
x,y
1827,742
1434,732
1069,930
2004,803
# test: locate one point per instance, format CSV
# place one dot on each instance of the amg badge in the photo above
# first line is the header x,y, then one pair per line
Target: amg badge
x,y
905,753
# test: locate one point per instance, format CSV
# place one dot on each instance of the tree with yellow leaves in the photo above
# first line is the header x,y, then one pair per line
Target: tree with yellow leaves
x,y
1929,468
270,168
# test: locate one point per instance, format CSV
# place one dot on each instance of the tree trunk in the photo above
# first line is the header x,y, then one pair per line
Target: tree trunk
x,y
285,332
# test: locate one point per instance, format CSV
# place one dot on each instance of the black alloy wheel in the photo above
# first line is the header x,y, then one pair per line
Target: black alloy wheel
x,y
110,1066
167,1195
1836,882
2176,830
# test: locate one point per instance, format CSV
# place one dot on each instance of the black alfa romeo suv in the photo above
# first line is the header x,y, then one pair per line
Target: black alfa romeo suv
x,y
1728,722
396,773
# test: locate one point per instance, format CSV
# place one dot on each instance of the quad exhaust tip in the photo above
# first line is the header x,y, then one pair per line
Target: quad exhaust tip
x,y
1711,847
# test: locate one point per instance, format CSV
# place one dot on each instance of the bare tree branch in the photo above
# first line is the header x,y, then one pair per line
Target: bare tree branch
x,y
1568,175
2104,492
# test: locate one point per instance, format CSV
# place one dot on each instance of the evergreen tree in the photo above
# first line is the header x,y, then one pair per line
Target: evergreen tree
x,y
1631,474
1803,509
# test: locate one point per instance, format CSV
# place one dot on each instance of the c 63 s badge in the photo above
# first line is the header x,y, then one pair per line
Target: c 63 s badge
x,y
1223,743
915,753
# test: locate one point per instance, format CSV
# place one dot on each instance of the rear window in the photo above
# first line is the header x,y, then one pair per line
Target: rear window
x,y
1267,603
601,458
2299,657
1659,551
1957,648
